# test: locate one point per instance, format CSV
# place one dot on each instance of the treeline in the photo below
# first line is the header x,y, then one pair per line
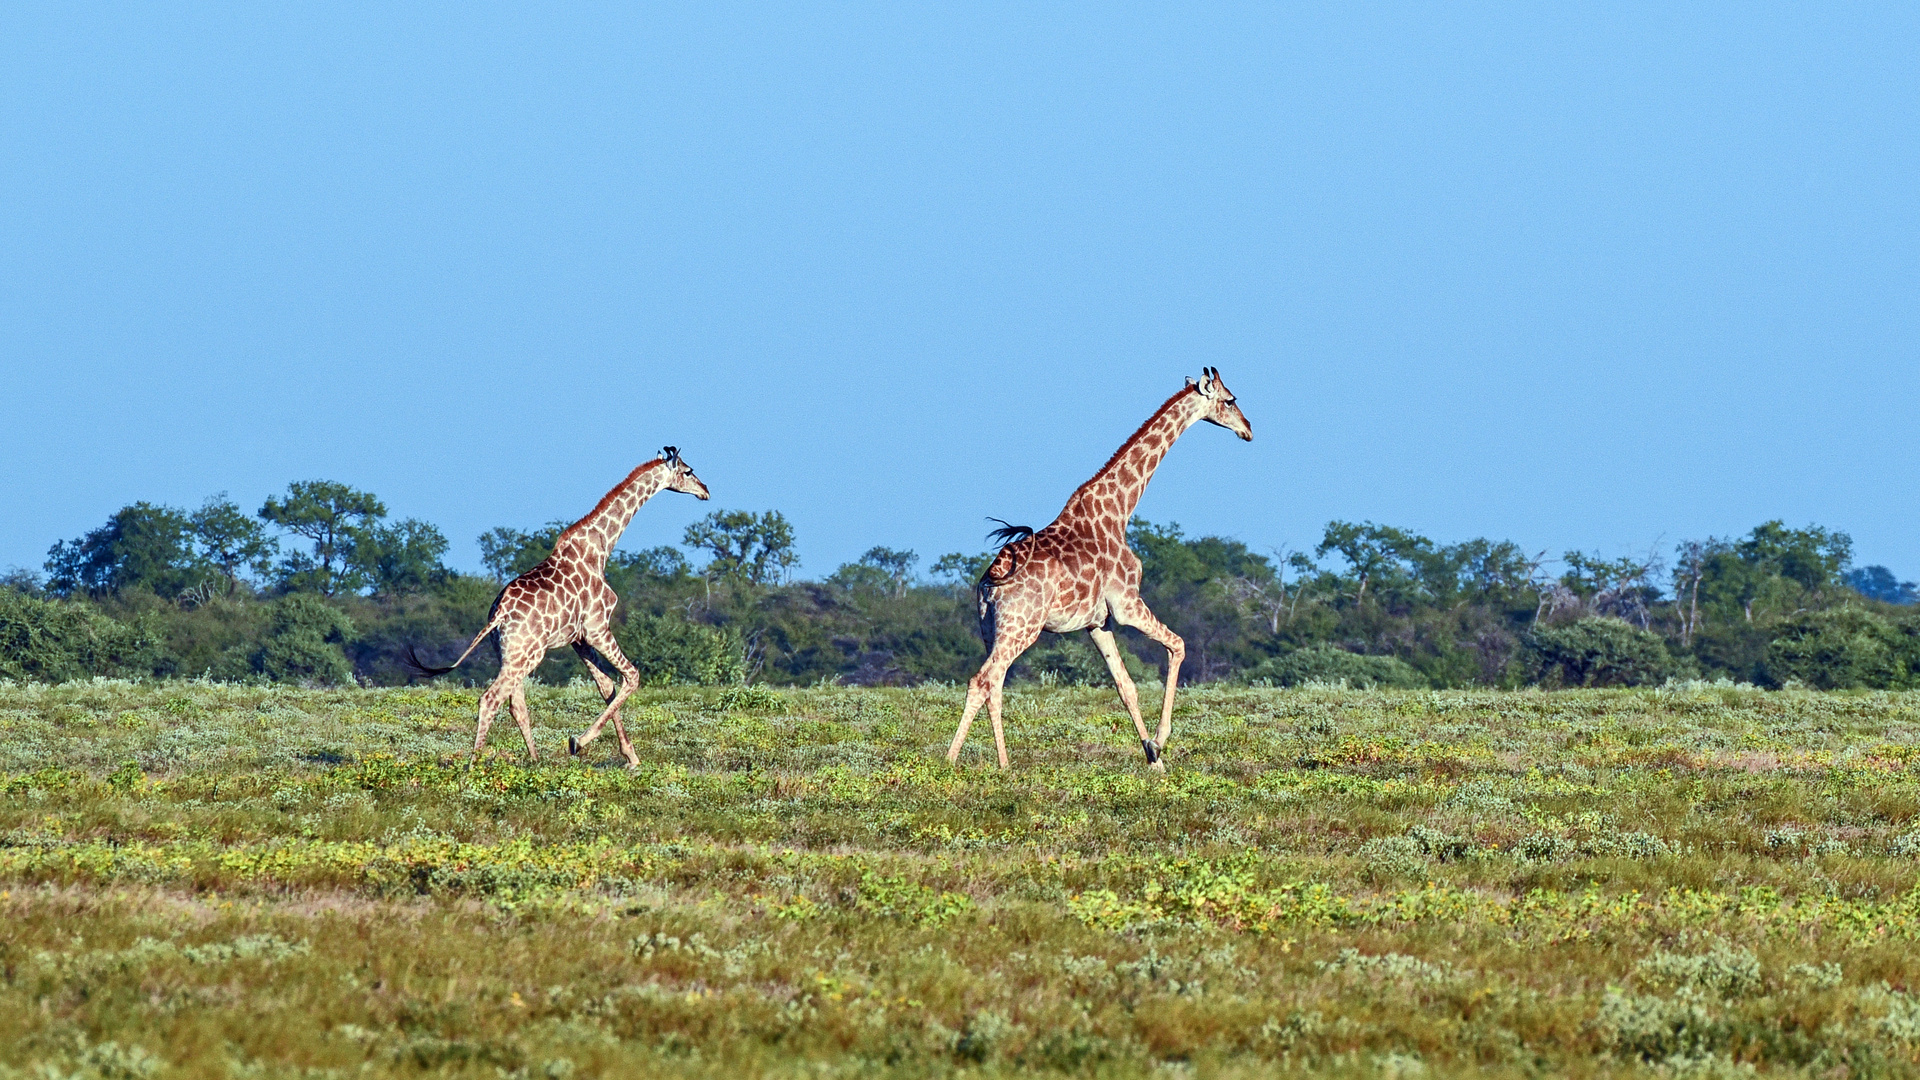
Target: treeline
x,y
319,585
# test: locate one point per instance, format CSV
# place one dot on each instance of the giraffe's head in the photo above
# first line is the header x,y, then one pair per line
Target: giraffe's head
x,y
1218,405
680,475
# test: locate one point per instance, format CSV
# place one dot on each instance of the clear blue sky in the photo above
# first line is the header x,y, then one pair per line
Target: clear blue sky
x,y
1581,276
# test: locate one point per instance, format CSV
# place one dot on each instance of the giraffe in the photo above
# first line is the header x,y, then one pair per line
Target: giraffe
x,y
1079,574
566,601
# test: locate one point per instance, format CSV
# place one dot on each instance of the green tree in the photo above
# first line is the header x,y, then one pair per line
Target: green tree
x,y
507,553
1735,592
961,569
403,557
661,563
1878,583
1813,558
1481,571
1614,588
744,546
1381,556
332,517
1199,588
140,546
229,539
882,569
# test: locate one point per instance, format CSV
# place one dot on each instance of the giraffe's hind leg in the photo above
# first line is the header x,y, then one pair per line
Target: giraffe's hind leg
x,y
517,661
1133,612
600,680
986,686
1129,697
517,704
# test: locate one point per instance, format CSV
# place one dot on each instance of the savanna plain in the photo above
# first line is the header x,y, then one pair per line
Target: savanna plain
x,y
212,880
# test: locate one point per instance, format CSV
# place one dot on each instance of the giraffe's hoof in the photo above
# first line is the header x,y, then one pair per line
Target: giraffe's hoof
x,y
573,745
1159,767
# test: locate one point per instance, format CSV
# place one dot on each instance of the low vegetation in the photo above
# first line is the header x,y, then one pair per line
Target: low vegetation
x,y
216,880
319,587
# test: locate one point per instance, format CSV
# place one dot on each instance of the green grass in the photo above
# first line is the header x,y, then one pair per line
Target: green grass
x,y
206,880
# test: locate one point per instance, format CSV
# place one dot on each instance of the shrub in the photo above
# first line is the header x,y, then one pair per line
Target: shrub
x,y
1722,969
56,640
304,639
1326,664
1599,651
1844,648
669,650
1671,1031
1071,660
1392,858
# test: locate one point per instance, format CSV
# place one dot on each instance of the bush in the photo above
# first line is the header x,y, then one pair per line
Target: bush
x,y
1326,664
304,639
56,640
1599,651
1071,659
1845,648
669,650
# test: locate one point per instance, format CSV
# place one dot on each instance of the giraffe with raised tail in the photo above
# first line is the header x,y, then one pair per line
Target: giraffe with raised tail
x,y
1079,574
566,601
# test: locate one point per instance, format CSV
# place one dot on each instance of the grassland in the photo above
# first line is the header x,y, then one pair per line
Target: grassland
x,y
207,880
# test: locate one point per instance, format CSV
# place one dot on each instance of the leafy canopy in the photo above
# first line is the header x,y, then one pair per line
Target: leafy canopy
x,y
744,546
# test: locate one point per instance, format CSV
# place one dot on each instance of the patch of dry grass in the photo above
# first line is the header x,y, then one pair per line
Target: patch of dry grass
x,y
206,880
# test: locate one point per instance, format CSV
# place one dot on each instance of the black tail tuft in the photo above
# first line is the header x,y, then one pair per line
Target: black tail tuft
x,y
413,663
1008,534
987,614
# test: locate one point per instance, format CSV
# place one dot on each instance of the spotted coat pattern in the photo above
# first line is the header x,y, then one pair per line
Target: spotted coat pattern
x,y
1079,574
566,600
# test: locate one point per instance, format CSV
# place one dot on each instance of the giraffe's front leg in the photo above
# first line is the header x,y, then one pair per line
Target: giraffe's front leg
x,y
1129,697
1133,612
602,640
602,683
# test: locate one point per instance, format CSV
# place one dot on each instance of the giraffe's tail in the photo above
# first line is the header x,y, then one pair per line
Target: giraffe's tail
x,y
1001,570
419,667
1009,534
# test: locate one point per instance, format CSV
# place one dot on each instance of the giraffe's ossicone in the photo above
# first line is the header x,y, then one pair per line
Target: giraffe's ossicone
x,y
1079,574
566,601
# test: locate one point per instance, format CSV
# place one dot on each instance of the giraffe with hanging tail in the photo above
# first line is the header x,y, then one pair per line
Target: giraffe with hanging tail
x,y
566,600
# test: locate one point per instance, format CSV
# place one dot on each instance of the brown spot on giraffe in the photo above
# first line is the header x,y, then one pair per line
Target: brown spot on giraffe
x,y
1079,574
566,600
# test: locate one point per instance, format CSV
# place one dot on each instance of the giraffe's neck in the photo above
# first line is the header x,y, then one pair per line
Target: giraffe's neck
x,y
591,539
1108,499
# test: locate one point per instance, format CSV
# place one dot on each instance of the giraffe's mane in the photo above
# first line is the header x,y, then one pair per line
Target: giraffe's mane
x,y
606,499
1135,437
